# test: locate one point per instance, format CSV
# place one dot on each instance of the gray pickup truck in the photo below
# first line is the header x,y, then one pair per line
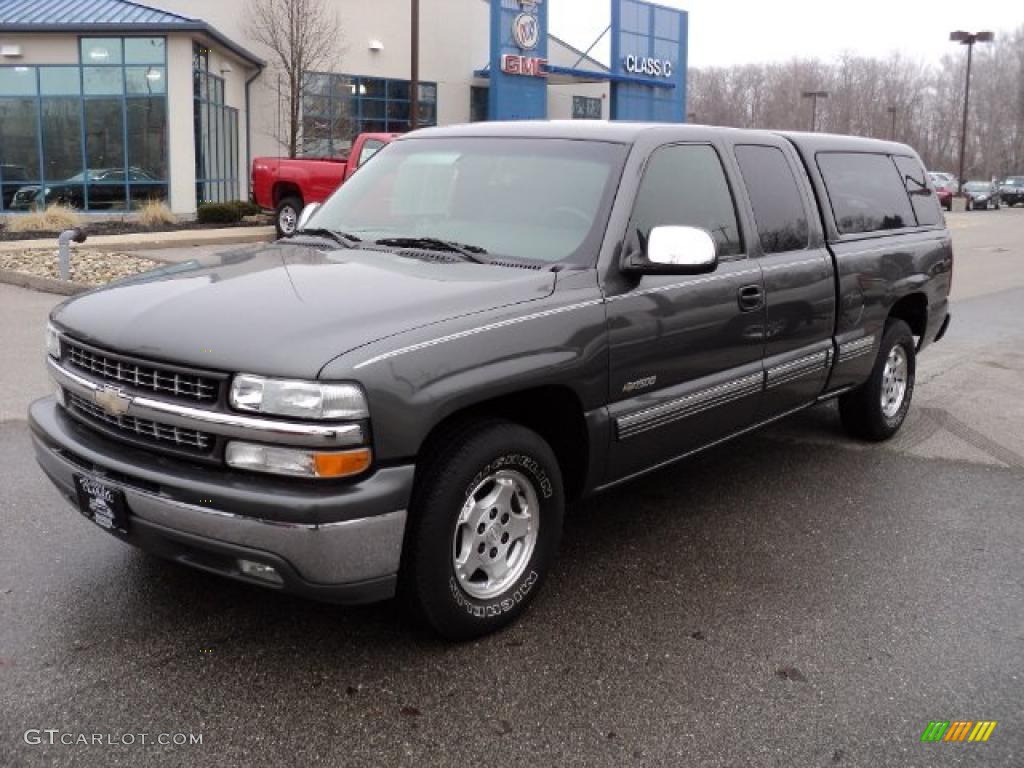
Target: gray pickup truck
x,y
484,324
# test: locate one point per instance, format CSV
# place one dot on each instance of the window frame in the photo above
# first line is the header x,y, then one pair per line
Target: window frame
x,y
807,205
741,233
840,236
82,97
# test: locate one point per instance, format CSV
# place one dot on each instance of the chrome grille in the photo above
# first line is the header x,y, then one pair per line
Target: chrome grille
x,y
149,431
152,378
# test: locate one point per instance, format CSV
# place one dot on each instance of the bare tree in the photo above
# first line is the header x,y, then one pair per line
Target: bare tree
x,y
301,37
927,100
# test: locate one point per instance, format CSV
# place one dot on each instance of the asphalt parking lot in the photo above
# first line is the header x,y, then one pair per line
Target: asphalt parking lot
x,y
789,599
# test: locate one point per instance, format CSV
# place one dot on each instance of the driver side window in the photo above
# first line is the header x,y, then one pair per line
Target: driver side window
x,y
685,185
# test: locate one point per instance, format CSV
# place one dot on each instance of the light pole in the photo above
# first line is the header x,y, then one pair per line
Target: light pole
x,y
968,39
814,96
892,112
414,74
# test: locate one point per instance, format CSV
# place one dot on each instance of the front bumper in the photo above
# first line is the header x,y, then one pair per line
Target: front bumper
x,y
339,543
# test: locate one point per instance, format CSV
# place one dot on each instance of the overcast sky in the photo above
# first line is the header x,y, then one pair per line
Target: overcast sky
x,y
724,32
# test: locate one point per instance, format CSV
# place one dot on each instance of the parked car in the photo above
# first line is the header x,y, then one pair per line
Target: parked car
x,y
9,173
105,189
484,324
285,186
1011,191
944,189
949,180
982,195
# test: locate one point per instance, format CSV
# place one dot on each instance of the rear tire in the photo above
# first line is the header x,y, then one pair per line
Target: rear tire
x,y
484,528
876,410
286,216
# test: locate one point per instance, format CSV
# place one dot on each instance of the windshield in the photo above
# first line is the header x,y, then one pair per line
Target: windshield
x,y
1014,181
977,186
536,199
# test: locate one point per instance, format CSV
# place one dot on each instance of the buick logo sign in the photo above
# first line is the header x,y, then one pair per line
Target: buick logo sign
x,y
526,30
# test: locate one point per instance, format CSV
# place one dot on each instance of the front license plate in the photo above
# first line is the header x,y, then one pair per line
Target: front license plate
x,y
103,505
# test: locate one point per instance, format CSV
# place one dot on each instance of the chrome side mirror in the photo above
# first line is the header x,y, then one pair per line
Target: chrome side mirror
x,y
306,215
675,251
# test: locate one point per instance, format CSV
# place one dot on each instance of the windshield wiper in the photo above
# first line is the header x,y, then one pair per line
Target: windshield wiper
x,y
342,238
472,253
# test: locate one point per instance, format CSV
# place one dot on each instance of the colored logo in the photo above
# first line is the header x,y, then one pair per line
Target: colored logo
x,y
526,31
958,730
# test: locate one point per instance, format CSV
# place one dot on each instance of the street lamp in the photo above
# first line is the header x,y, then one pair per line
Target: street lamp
x,y
968,39
814,96
414,67
892,112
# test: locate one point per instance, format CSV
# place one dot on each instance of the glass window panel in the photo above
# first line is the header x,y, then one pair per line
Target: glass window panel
x,y
428,92
686,186
866,192
374,89
427,114
219,137
344,108
343,131
70,193
316,105
398,110
17,81
108,196
374,126
775,197
104,136
60,81
103,81
143,193
399,126
19,139
398,89
374,109
343,87
924,201
147,138
204,87
144,50
204,139
62,138
20,196
145,80
217,95
101,50
318,84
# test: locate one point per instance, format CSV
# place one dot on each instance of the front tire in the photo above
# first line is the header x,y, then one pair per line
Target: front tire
x,y
876,410
286,216
484,529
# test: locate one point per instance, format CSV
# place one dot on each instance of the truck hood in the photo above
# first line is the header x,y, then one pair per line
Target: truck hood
x,y
286,309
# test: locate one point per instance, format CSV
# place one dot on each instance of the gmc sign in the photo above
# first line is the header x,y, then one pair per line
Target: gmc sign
x,y
528,66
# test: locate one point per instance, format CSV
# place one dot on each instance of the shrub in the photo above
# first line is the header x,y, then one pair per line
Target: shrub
x,y
218,213
56,218
245,208
154,213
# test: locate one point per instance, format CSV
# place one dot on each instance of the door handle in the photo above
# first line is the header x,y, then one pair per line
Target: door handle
x,y
751,298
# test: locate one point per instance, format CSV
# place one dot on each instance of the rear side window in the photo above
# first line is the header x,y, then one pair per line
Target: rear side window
x,y
924,201
866,192
775,197
685,185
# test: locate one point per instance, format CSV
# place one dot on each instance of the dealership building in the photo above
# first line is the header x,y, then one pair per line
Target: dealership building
x,y
105,104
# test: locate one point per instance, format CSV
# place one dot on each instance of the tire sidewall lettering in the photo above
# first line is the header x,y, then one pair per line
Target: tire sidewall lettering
x,y
491,610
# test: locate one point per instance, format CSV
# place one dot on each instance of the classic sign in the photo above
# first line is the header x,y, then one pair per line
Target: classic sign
x,y
526,31
640,65
530,66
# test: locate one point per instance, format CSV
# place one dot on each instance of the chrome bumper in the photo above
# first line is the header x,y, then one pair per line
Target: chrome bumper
x,y
352,560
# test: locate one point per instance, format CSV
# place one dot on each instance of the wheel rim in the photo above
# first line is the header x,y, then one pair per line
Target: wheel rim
x,y
496,534
288,219
894,381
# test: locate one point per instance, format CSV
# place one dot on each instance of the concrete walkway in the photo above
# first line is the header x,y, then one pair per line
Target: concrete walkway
x,y
148,241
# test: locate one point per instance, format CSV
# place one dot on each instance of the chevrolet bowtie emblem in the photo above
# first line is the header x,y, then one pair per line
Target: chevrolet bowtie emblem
x,y
113,401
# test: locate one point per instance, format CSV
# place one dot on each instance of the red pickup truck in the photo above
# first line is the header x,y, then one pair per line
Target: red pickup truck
x,y
285,186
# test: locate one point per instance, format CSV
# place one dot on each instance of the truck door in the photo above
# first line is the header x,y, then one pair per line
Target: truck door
x,y
798,273
685,351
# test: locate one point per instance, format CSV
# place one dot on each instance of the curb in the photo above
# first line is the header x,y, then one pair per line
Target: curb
x,y
158,240
44,284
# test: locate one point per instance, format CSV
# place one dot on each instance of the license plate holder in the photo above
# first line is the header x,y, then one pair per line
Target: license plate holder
x,y
102,504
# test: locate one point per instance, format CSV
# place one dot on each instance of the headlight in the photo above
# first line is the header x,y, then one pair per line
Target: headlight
x,y
52,342
301,399
297,462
